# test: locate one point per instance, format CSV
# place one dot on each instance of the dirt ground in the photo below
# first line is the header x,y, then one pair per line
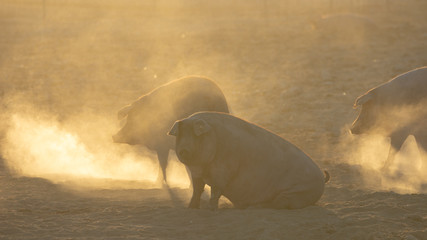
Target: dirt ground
x,y
294,67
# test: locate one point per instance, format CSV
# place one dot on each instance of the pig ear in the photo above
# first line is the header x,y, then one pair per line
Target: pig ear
x,y
124,112
200,127
362,99
174,129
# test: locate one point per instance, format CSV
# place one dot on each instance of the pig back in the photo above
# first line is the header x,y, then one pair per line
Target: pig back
x,y
196,94
405,89
176,100
188,95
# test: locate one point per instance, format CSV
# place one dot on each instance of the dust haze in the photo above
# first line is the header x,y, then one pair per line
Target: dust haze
x,y
405,175
77,150
286,65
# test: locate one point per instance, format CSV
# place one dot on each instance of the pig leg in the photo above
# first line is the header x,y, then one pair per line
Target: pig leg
x,y
422,147
215,195
198,188
395,145
422,143
286,200
189,176
298,198
198,185
162,155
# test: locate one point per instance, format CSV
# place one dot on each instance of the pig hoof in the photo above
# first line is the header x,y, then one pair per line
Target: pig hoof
x,y
193,207
213,209
213,206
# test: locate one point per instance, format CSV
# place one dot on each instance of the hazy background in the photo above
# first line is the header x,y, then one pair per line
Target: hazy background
x,y
67,67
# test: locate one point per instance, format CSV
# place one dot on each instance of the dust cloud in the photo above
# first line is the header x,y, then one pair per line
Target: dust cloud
x,y
78,151
406,173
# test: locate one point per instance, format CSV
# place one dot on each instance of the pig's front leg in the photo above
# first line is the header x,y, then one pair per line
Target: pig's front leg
x,y
215,195
198,186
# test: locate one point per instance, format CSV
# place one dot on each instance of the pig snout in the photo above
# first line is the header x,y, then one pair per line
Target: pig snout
x,y
359,126
185,156
355,130
120,138
117,138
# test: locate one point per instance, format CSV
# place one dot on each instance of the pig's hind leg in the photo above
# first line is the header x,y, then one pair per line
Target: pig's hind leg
x,y
422,146
294,200
396,142
162,155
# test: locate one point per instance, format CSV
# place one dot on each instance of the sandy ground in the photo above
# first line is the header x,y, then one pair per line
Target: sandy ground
x,y
66,67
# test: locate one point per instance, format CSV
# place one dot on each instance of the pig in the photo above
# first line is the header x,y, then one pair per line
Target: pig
x,y
150,117
395,109
247,164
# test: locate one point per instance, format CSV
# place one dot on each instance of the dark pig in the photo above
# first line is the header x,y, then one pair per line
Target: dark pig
x,y
395,109
248,164
150,117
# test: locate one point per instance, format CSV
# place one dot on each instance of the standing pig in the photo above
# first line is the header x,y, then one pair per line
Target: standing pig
x,y
395,109
150,117
249,165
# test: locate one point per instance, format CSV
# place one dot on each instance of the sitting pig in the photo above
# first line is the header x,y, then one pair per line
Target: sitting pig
x,y
248,164
395,109
150,117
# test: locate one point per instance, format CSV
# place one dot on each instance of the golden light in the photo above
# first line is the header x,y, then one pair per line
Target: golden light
x,y
41,148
